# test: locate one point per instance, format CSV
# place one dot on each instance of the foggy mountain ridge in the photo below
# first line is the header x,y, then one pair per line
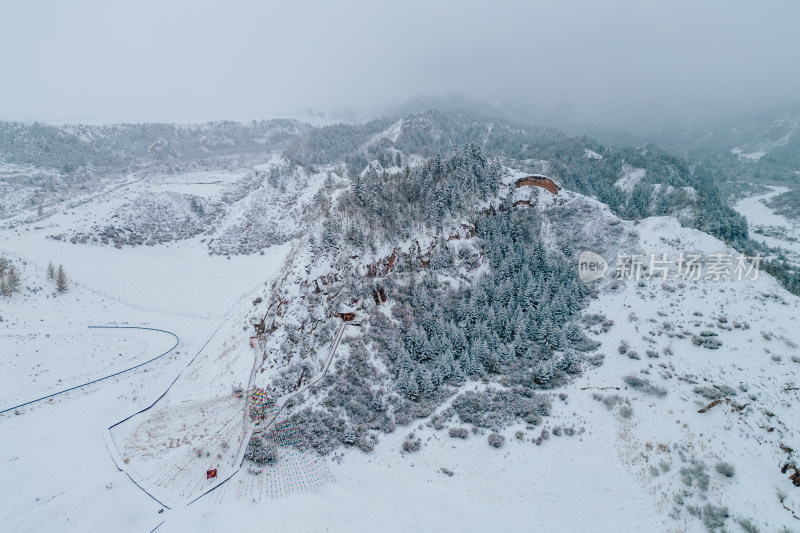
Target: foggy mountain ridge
x,y
413,266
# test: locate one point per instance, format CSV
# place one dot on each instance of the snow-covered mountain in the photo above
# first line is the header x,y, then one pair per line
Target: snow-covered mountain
x,y
385,325
766,141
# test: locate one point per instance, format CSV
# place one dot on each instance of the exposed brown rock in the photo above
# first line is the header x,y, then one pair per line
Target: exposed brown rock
x,y
539,181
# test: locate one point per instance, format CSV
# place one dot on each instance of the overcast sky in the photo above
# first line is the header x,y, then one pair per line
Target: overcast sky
x,y
620,64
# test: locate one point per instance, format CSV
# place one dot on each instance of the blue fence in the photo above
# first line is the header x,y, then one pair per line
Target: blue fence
x,y
177,340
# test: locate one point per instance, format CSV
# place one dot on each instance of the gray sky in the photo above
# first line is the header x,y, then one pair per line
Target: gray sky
x,y
617,64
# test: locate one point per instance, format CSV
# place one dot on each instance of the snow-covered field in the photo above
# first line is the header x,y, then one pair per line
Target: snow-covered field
x,y
37,364
59,474
761,217
627,447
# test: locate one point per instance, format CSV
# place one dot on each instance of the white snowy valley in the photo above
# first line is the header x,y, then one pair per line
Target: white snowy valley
x,y
275,342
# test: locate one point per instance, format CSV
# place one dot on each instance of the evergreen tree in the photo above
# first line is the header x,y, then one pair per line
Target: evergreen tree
x,y
438,374
543,373
61,280
471,365
568,363
407,384
12,279
554,337
425,383
330,235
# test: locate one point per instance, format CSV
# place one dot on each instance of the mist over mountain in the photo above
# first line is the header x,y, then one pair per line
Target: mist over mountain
x,y
412,266
581,67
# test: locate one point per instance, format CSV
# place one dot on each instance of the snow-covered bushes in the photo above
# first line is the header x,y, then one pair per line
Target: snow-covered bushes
x,y
707,339
458,433
153,219
747,525
494,409
716,392
350,408
726,469
696,475
496,440
266,217
708,392
322,429
643,385
261,452
411,444
714,516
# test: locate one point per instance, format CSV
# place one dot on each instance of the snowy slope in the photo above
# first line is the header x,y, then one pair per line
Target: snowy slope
x,y
626,466
627,447
630,177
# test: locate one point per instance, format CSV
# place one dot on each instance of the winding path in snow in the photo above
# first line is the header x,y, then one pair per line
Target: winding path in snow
x,y
283,399
280,402
250,427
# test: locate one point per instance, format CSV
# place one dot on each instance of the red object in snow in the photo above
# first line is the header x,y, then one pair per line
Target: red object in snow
x,y
211,473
